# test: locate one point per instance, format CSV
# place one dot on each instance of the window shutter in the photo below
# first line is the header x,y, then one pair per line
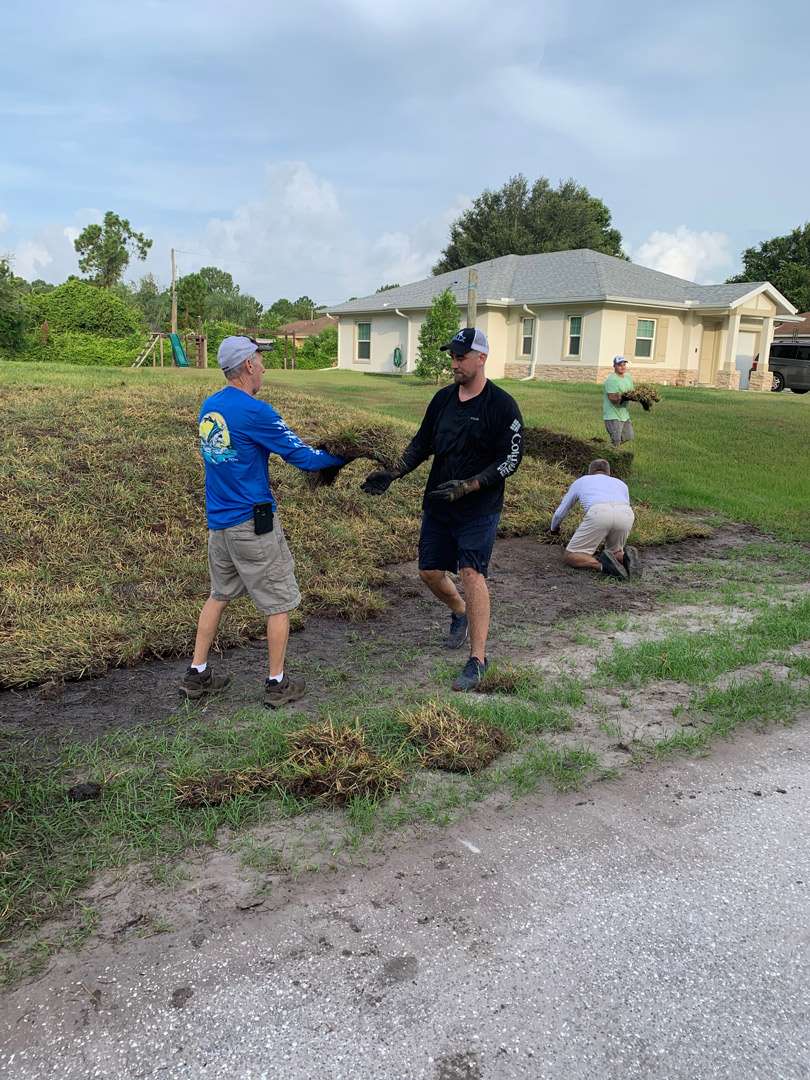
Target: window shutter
x,y
630,337
661,327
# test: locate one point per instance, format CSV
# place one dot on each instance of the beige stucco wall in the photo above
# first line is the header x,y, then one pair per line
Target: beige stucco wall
x,y
668,358
387,333
760,305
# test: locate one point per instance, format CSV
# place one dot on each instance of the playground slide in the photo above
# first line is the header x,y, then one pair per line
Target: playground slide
x,y
178,351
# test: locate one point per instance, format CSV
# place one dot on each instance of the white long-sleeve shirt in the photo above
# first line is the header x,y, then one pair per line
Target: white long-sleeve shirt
x,y
589,490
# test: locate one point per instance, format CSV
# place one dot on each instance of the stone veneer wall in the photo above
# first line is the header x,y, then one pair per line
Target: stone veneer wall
x,y
569,373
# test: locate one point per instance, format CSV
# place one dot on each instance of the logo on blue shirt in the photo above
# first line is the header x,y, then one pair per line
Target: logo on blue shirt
x,y
215,439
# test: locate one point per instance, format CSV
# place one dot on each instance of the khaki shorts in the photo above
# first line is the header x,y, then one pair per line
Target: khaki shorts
x,y
241,562
608,522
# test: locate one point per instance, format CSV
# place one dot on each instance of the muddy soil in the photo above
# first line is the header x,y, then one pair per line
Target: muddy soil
x,y
533,595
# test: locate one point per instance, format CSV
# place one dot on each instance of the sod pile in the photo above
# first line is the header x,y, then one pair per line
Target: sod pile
x,y
448,740
327,763
645,394
572,454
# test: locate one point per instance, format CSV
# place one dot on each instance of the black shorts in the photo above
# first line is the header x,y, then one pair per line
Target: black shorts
x,y
451,545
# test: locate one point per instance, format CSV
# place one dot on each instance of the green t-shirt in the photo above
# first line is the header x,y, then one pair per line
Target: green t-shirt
x,y
615,384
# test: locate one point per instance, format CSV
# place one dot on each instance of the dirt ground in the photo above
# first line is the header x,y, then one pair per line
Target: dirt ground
x,y
540,609
531,590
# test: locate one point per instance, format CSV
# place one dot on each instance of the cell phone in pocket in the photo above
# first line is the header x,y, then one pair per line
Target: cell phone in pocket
x,y
263,518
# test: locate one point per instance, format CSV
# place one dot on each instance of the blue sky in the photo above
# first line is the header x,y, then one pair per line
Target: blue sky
x,y
323,148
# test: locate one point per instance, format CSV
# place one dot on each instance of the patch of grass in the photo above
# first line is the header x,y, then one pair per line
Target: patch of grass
x,y
327,762
700,657
449,740
762,701
565,768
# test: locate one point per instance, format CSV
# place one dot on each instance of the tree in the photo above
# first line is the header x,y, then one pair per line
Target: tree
x,y
293,310
191,299
12,309
785,262
385,288
153,303
319,351
441,323
517,220
105,250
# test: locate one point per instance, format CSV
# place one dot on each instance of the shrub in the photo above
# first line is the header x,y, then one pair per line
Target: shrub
x,y
74,347
319,351
440,324
78,306
12,311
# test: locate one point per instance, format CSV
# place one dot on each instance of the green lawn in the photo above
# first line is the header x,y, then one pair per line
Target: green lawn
x,y
746,455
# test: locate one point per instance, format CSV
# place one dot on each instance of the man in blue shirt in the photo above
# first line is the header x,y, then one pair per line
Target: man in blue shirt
x,y
247,552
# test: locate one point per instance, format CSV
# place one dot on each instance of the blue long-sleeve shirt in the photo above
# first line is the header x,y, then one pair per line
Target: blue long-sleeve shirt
x,y
238,433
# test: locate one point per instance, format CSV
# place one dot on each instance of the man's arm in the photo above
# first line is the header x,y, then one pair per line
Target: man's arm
x,y
270,431
418,450
563,510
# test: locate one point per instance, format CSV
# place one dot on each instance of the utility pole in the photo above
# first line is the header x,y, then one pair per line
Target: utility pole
x,y
472,300
174,295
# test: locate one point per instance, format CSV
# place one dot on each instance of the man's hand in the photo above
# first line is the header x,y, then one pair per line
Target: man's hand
x,y
451,490
324,477
624,399
377,483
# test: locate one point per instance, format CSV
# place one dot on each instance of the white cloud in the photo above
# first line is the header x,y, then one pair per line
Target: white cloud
x,y
297,238
30,259
684,253
595,115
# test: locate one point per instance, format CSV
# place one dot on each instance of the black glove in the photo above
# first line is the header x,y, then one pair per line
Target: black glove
x,y
624,399
646,406
324,477
451,490
377,483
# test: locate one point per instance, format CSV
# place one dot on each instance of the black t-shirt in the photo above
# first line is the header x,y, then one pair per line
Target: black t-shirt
x,y
482,438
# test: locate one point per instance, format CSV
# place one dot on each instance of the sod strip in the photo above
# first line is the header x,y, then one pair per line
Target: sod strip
x,y
700,657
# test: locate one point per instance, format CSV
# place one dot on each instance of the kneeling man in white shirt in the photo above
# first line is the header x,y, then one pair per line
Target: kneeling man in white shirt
x,y
608,520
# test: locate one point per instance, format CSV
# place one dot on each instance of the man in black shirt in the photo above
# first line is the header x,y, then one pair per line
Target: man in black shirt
x,y
474,431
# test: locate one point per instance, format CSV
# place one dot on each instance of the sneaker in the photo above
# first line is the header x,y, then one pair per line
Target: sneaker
x,y
197,684
278,694
611,566
459,632
472,674
632,562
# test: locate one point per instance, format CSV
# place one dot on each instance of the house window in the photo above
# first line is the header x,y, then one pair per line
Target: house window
x,y
645,337
528,337
364,341
574,335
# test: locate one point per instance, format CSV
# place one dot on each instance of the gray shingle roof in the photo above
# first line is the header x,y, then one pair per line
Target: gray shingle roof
x,y
556,277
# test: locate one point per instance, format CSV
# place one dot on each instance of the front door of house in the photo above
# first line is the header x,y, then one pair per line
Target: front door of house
x,y
707,369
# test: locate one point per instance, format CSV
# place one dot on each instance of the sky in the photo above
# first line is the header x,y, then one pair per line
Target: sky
x,y
324,148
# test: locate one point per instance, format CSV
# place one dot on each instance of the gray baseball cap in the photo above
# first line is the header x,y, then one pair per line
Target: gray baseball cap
x,y
234,351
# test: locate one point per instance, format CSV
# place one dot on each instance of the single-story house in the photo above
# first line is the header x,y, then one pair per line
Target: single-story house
x,y
564,316
799,327
299,331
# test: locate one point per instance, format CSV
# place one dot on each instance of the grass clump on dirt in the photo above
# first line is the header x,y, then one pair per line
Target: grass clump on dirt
x,y
572,454
326,762
449,740
645,394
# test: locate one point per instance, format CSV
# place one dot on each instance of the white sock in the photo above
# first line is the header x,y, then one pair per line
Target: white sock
x,y
200,667
275,678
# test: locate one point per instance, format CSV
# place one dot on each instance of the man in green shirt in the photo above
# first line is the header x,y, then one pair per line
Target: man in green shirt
x,y
614,410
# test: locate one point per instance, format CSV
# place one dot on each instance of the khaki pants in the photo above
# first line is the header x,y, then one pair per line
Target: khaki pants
x,y
241,562
608,522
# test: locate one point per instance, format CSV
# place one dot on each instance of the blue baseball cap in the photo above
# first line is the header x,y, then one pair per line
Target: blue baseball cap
x,y
467,340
